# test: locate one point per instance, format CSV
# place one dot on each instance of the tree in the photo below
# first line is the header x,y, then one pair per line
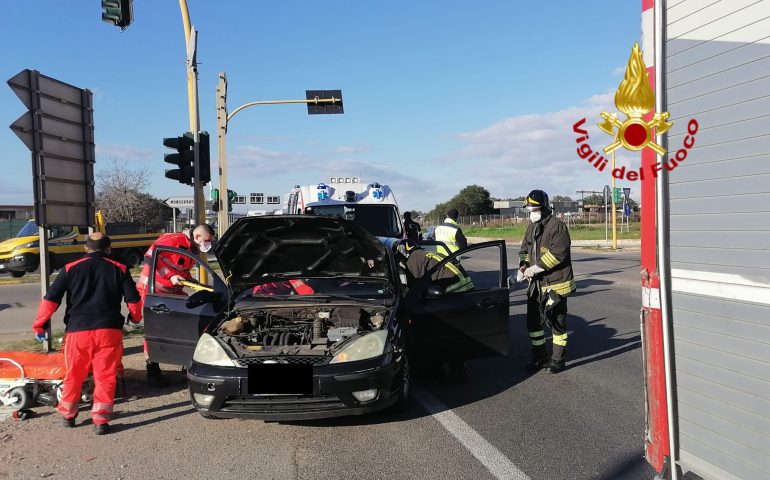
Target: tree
x,y
561,198
595,199
121,196
472,200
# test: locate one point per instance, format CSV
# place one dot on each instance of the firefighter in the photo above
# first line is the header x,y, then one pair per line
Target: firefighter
x,y
171,269
95,287
544,258
411,227
451,278
450,232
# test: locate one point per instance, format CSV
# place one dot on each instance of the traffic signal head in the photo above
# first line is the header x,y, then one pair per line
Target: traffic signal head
x,y
215,199
204,157
230,198
118,12
183,158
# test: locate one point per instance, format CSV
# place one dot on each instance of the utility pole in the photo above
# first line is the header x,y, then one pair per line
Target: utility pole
x,y
582,193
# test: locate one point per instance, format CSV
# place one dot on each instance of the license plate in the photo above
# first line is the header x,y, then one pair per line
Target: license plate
x,y
280,379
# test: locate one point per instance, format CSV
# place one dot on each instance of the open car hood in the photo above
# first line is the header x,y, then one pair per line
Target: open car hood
x,y
255,250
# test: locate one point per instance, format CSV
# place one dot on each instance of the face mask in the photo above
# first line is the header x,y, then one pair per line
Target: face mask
x,y
534,217
204,247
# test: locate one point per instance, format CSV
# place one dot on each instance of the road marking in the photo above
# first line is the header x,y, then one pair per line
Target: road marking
x,y
493,459
605,352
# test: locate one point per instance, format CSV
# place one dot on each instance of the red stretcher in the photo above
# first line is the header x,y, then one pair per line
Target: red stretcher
x,y
29,377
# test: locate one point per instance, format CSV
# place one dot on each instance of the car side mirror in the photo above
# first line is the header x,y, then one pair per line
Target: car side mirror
x,y
435,291
201,298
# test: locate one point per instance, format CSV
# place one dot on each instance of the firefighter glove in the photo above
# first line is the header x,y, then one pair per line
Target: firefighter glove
x,y
533,270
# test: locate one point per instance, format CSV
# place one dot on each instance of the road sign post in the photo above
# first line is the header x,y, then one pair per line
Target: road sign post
x,y
58,129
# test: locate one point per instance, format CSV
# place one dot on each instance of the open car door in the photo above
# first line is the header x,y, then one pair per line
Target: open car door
x,y
173,322
472,323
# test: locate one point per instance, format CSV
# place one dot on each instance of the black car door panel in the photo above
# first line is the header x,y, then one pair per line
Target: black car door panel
x,y
471,323
173,322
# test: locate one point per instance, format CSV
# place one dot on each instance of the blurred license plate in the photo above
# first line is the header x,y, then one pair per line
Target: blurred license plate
x,y
280,379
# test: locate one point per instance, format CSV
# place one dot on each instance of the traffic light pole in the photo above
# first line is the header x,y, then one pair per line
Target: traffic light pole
x,y
223,215
223,119
191,41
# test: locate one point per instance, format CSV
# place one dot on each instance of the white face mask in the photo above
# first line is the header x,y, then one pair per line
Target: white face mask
x,y
204,247
534,216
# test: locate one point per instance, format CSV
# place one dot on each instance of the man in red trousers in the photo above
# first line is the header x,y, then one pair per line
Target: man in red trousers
x,y
95,287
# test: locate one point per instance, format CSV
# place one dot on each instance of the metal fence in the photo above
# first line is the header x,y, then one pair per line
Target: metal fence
x,y
9,228
499,221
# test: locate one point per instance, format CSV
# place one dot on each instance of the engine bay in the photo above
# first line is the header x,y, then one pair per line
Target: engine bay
x,y
297,331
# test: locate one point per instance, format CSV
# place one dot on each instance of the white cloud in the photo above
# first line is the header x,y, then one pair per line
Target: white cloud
x,y
619,70
125,153
524,152
351,149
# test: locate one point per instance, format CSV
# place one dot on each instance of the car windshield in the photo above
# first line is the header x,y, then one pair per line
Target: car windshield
x,y
27,230
379,220
364,289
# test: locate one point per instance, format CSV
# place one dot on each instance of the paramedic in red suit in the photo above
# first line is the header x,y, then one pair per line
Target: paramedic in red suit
x,y
172,267
95,286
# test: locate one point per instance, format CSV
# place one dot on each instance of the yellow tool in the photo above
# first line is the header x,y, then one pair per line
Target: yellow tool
x,y
195,286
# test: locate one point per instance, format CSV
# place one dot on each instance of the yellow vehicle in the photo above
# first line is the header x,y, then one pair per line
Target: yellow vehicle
x,y
21,254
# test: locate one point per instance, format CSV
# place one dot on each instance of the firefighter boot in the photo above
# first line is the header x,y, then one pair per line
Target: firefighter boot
x,y
102,428
558,358
539,359
155,377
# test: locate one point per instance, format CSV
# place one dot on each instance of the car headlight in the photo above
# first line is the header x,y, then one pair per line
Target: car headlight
x,y
369,346
210,352
31,245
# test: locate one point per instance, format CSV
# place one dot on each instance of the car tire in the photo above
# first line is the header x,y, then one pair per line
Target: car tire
x,y
21,398
16,273
404,401
209,416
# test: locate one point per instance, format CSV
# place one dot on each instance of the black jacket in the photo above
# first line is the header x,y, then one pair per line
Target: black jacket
x,y
547,244
95,287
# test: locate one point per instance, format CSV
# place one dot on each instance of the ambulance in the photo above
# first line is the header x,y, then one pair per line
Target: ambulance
x,y
371,205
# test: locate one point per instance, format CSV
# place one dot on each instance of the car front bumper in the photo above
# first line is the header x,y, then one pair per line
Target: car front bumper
x,y
333,387
25,262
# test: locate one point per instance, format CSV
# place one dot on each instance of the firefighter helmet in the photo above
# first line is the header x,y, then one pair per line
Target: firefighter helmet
x,y
537,199
405,247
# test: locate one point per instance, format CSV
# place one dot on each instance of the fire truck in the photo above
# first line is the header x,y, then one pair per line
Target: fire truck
x,y
705,259
371,205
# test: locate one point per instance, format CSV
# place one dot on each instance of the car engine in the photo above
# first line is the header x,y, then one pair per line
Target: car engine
x,y
297,331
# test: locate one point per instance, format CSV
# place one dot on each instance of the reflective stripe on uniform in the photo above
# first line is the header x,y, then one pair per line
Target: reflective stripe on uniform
x,y
549,260
67,409
537,338
560,339
447,233
101,412
564,288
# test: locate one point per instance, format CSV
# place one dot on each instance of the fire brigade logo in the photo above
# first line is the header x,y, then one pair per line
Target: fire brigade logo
x,y
636,99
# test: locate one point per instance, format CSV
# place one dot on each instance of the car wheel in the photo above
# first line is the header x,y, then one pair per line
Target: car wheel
x,y
405,389
16,273
20,398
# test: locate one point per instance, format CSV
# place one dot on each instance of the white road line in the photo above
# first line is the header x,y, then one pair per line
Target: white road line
x,y
589,357
493,459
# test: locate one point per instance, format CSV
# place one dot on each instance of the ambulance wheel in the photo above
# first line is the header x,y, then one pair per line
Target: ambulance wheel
x,y
57,390
20,398
16,273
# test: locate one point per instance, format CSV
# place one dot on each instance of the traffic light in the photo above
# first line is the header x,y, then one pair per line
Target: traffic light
x,y
118,12
230,197
183,158
215,199
204,157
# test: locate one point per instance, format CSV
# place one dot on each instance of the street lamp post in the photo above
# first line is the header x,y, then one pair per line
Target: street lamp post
x,y
331,99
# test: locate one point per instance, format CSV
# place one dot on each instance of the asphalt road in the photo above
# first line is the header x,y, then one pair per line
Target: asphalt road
x,y
503,423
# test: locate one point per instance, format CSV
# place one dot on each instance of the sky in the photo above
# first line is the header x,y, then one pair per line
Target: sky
x,y
438,95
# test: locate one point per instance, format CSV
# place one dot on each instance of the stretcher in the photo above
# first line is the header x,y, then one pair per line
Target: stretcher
x,y
27,378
